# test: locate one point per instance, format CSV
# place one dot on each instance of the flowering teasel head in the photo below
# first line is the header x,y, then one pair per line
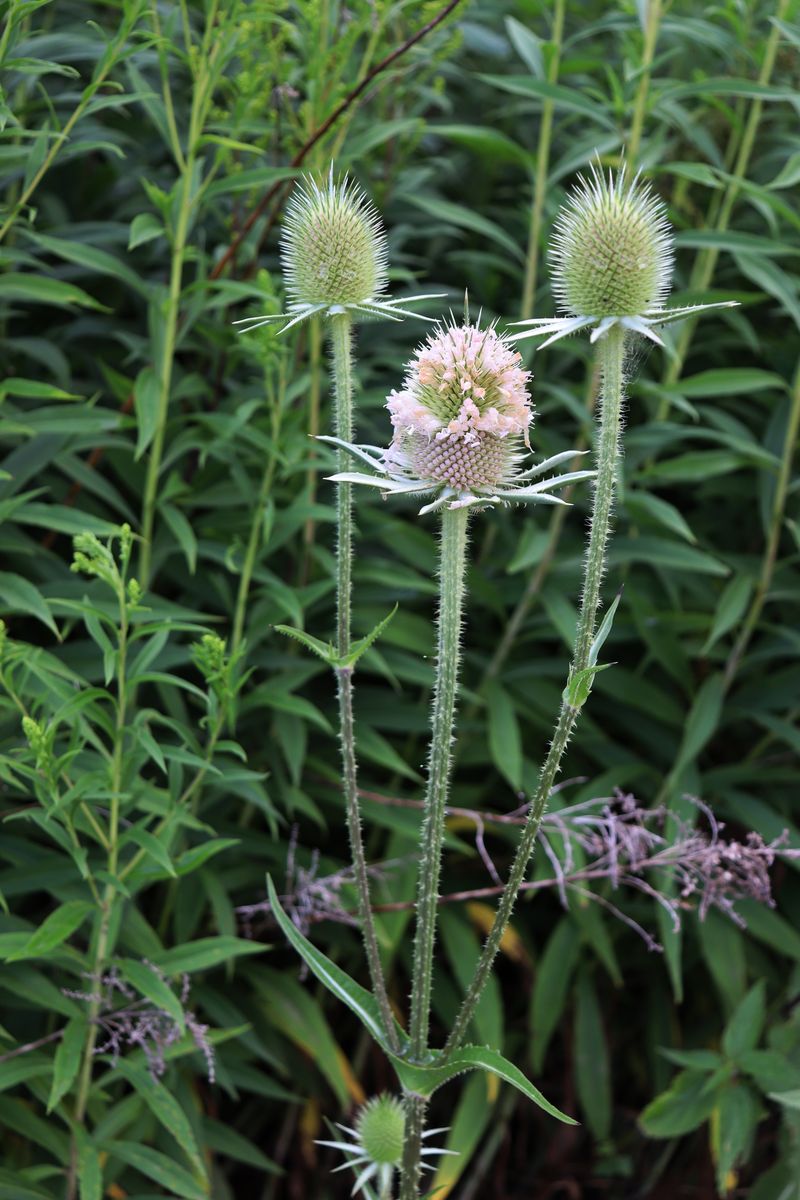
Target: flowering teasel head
x,y
377,1145
333,256
461,425
611,260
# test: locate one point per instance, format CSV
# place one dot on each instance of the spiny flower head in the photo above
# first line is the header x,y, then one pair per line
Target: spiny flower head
x,y
463,381
333,248
376,1150
611,261
611,253
380,1126
334,257
464,410
461,424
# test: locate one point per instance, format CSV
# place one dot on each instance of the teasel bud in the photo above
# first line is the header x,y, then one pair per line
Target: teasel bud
x,y
333,246
611,253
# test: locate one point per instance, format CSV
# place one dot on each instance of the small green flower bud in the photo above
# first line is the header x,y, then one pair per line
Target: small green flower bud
x,y
333,248
612,249
380,1126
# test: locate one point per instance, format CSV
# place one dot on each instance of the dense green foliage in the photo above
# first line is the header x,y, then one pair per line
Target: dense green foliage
x,y
164,747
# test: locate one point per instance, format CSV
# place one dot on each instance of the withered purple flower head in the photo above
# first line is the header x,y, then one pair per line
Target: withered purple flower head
x,y
461,426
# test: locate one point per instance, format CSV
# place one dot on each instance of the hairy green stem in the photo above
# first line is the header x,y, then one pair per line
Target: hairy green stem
x,y
542,167
452,580
452,569
411,1168
341,343
611,352
537,578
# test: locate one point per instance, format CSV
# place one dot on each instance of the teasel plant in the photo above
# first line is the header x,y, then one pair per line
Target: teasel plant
x,y
462,422
335,265
611,261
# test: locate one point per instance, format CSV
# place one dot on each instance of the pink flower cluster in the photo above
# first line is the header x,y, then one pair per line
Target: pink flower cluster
x,y
464,382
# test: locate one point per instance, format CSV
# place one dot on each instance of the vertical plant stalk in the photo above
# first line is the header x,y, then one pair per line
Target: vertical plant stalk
x,y
257,525
207,59
611,352
542,168
706,261
452,571
537,578
105,913
452,579
341,343
773,537
411,1166
652,23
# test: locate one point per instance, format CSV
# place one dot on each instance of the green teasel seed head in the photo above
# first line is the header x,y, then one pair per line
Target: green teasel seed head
x,y
333,248
612,248
381,1127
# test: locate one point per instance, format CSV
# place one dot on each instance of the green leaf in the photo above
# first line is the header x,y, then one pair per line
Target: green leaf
x,y
158,1167
427,1079
550,986
459,217
592,1065
787,1099
579,686
204,953
149,984
35,389
505,739
729,381
67,1059
730,609
324,650
90,1168
744,1029
54,930
701,723
37,289
166,1110
144,228
20,596
733,1125
363,644
684,1106
564,98
337,981
183,533
146,398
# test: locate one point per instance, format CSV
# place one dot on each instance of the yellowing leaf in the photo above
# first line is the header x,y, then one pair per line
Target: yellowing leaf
x,y
511,943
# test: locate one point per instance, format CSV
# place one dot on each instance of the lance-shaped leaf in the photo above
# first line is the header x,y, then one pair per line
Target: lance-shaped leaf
x,y
421,1078
327,652
426,1079
357,998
